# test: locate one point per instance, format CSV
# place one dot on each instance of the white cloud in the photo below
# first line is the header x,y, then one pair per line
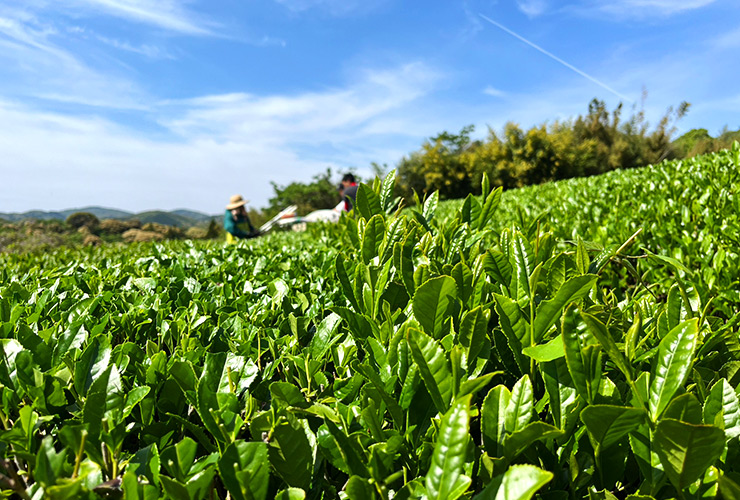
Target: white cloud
x,y
91,161
28,32
305,117
642,8
532,8
494,92
169,15
220,144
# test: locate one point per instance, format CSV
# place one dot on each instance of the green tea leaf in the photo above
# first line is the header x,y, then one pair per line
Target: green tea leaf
x,y
722,409
344,280
433,303
445,479
367,202
493,199
601,333
523,266
245,471
291,494
729,488
473,333
92,364
608,424
430,206
178,459
325,336
513,325
686,451
497,266
145,462
493,419
685,408
549,311
292,452
675,357
372,237
546,352
521,405
520,482
520,440
578,363
386,190
433,367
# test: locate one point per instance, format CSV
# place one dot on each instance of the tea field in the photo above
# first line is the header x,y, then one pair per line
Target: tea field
x,y
571,340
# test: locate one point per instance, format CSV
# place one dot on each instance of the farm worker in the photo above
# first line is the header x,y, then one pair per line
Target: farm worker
x,y
342,206
236,220
350,191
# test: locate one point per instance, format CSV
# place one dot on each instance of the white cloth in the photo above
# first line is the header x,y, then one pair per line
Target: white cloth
x,y
322,216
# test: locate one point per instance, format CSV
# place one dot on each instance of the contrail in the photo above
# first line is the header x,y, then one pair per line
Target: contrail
x,y
553,56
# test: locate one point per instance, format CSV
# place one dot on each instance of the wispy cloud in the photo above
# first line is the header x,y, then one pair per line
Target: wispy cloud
x,y
264,41
494,92
532,8
729,40
48,52
643,8
304,117
556,58
28,31
472,25
170,15
32,64
333,7
146,50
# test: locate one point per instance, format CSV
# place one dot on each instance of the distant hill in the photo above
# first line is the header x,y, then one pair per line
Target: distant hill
x,y
190,214
34,215
179,218
101,212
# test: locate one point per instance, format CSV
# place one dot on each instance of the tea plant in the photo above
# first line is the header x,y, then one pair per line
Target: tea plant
x,y
485,353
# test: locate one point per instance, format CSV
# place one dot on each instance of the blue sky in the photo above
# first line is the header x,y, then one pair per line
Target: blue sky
x,y
143,104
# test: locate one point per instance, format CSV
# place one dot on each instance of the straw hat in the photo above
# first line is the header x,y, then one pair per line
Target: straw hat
x,y
236,201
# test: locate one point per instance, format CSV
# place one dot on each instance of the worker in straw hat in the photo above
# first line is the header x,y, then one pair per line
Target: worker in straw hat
x,y
236,220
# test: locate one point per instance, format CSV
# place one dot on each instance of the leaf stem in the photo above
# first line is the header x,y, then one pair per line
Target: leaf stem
x,y
4,420
78,459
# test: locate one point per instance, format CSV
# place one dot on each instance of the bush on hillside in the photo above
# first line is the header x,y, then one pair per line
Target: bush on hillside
x,y
115,226
138,235
80,219
214,229
196,233
698,142
92,240
169,232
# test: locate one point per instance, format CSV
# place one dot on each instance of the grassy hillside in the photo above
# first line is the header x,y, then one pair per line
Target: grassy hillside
x,y
686,210
573,340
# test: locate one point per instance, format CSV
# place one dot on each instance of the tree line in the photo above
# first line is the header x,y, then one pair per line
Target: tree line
x,y
594,143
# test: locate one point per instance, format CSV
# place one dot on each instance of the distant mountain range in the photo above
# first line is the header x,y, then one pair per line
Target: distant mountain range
x,y
178,218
